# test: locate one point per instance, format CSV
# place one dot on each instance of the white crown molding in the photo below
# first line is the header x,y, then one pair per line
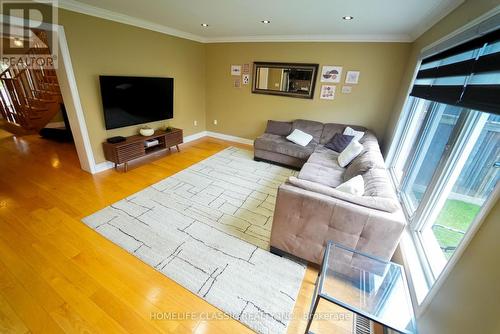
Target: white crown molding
x,y
312,38
427,24
79,7
468,25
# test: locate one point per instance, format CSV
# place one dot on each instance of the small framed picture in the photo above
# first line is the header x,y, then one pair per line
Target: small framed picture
x,y
245,69
246,79
237,83
331,74
352,77
327,92
346,89
235,69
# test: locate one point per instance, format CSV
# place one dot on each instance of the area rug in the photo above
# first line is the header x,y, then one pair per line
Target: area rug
x,y
208,228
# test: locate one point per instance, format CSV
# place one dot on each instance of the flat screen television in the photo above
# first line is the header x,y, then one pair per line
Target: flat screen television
x,y
136,100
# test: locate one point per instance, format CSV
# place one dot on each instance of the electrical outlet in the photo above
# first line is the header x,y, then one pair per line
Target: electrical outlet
x,y
215,122
195,123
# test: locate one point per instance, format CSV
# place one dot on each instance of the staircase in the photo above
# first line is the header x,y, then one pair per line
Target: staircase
x,y
29,94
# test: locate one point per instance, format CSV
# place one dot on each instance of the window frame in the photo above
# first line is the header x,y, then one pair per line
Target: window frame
x,y
417,223
422,289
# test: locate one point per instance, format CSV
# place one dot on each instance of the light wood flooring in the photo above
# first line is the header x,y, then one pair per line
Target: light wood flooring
x,y
57,275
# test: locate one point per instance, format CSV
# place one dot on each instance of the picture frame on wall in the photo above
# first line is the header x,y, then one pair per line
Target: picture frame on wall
x,y
235,69
331,74
327,92
352,77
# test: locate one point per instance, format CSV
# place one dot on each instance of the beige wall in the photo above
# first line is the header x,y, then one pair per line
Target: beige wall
x,y
203,84
469,299
99,47
241,113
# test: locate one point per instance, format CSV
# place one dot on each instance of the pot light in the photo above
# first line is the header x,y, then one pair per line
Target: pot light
x,y
265,21
348,17
204,25
18,42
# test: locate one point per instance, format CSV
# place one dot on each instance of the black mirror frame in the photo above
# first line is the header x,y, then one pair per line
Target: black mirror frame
x,y
258,64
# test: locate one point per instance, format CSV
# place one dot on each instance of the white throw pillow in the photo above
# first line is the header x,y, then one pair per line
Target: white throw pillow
x,y
349,153
299,137
351,132
354,186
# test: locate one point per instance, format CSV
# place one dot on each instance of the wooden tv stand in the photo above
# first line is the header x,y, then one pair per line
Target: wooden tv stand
x,y
133,148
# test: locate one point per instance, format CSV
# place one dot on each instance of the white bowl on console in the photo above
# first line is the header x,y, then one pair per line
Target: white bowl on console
x,y
147,132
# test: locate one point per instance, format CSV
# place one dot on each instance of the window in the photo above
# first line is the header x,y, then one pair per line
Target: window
x,y
446,160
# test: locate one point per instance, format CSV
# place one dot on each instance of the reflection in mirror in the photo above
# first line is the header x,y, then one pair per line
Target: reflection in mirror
x,y
296,80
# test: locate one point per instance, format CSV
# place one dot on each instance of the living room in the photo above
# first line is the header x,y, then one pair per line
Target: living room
x,y
349,195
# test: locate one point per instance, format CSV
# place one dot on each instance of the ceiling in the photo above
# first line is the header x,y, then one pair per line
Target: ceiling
x,y
293,20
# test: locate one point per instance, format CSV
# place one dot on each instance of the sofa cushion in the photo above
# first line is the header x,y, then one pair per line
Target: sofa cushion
x,y
378,203
370,157
377,184
279,128
339,142
279,144
311,127
330,129
330,177
325,157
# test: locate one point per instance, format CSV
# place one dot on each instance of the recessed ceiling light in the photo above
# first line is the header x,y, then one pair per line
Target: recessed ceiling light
x,y
266,21
348,17
18,42
204,25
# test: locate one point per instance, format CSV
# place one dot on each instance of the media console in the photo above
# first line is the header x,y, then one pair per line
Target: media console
x,y
135,148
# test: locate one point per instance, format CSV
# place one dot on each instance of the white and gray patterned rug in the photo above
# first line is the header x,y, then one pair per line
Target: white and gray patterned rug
x,y
208,228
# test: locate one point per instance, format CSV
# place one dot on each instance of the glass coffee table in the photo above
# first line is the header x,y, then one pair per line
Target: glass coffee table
x,y
369,287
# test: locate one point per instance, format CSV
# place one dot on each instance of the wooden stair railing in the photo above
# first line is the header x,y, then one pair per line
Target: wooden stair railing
x,y
29,95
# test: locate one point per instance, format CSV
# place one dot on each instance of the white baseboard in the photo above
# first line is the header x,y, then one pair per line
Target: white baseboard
x,y
195,136
55,125
101,167
230,138
217,135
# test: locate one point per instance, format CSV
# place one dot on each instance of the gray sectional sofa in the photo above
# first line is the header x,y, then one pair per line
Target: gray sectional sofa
x,y
310,211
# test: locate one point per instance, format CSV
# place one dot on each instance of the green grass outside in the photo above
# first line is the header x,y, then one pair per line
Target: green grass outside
x,y
455,214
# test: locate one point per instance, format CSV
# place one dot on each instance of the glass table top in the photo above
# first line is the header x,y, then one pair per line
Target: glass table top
x,y
368,286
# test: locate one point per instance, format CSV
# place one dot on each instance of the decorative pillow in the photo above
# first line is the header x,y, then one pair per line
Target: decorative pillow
x,y
355,186
299,137
279,128
351,132
351,151
339,142
369,158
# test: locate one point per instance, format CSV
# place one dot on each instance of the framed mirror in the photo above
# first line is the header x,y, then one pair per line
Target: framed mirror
x,y
287,79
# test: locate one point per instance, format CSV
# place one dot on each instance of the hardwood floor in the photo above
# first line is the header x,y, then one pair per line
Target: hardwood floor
x,y
57,275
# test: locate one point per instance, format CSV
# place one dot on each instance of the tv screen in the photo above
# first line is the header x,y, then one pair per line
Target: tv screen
x,y
136,100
